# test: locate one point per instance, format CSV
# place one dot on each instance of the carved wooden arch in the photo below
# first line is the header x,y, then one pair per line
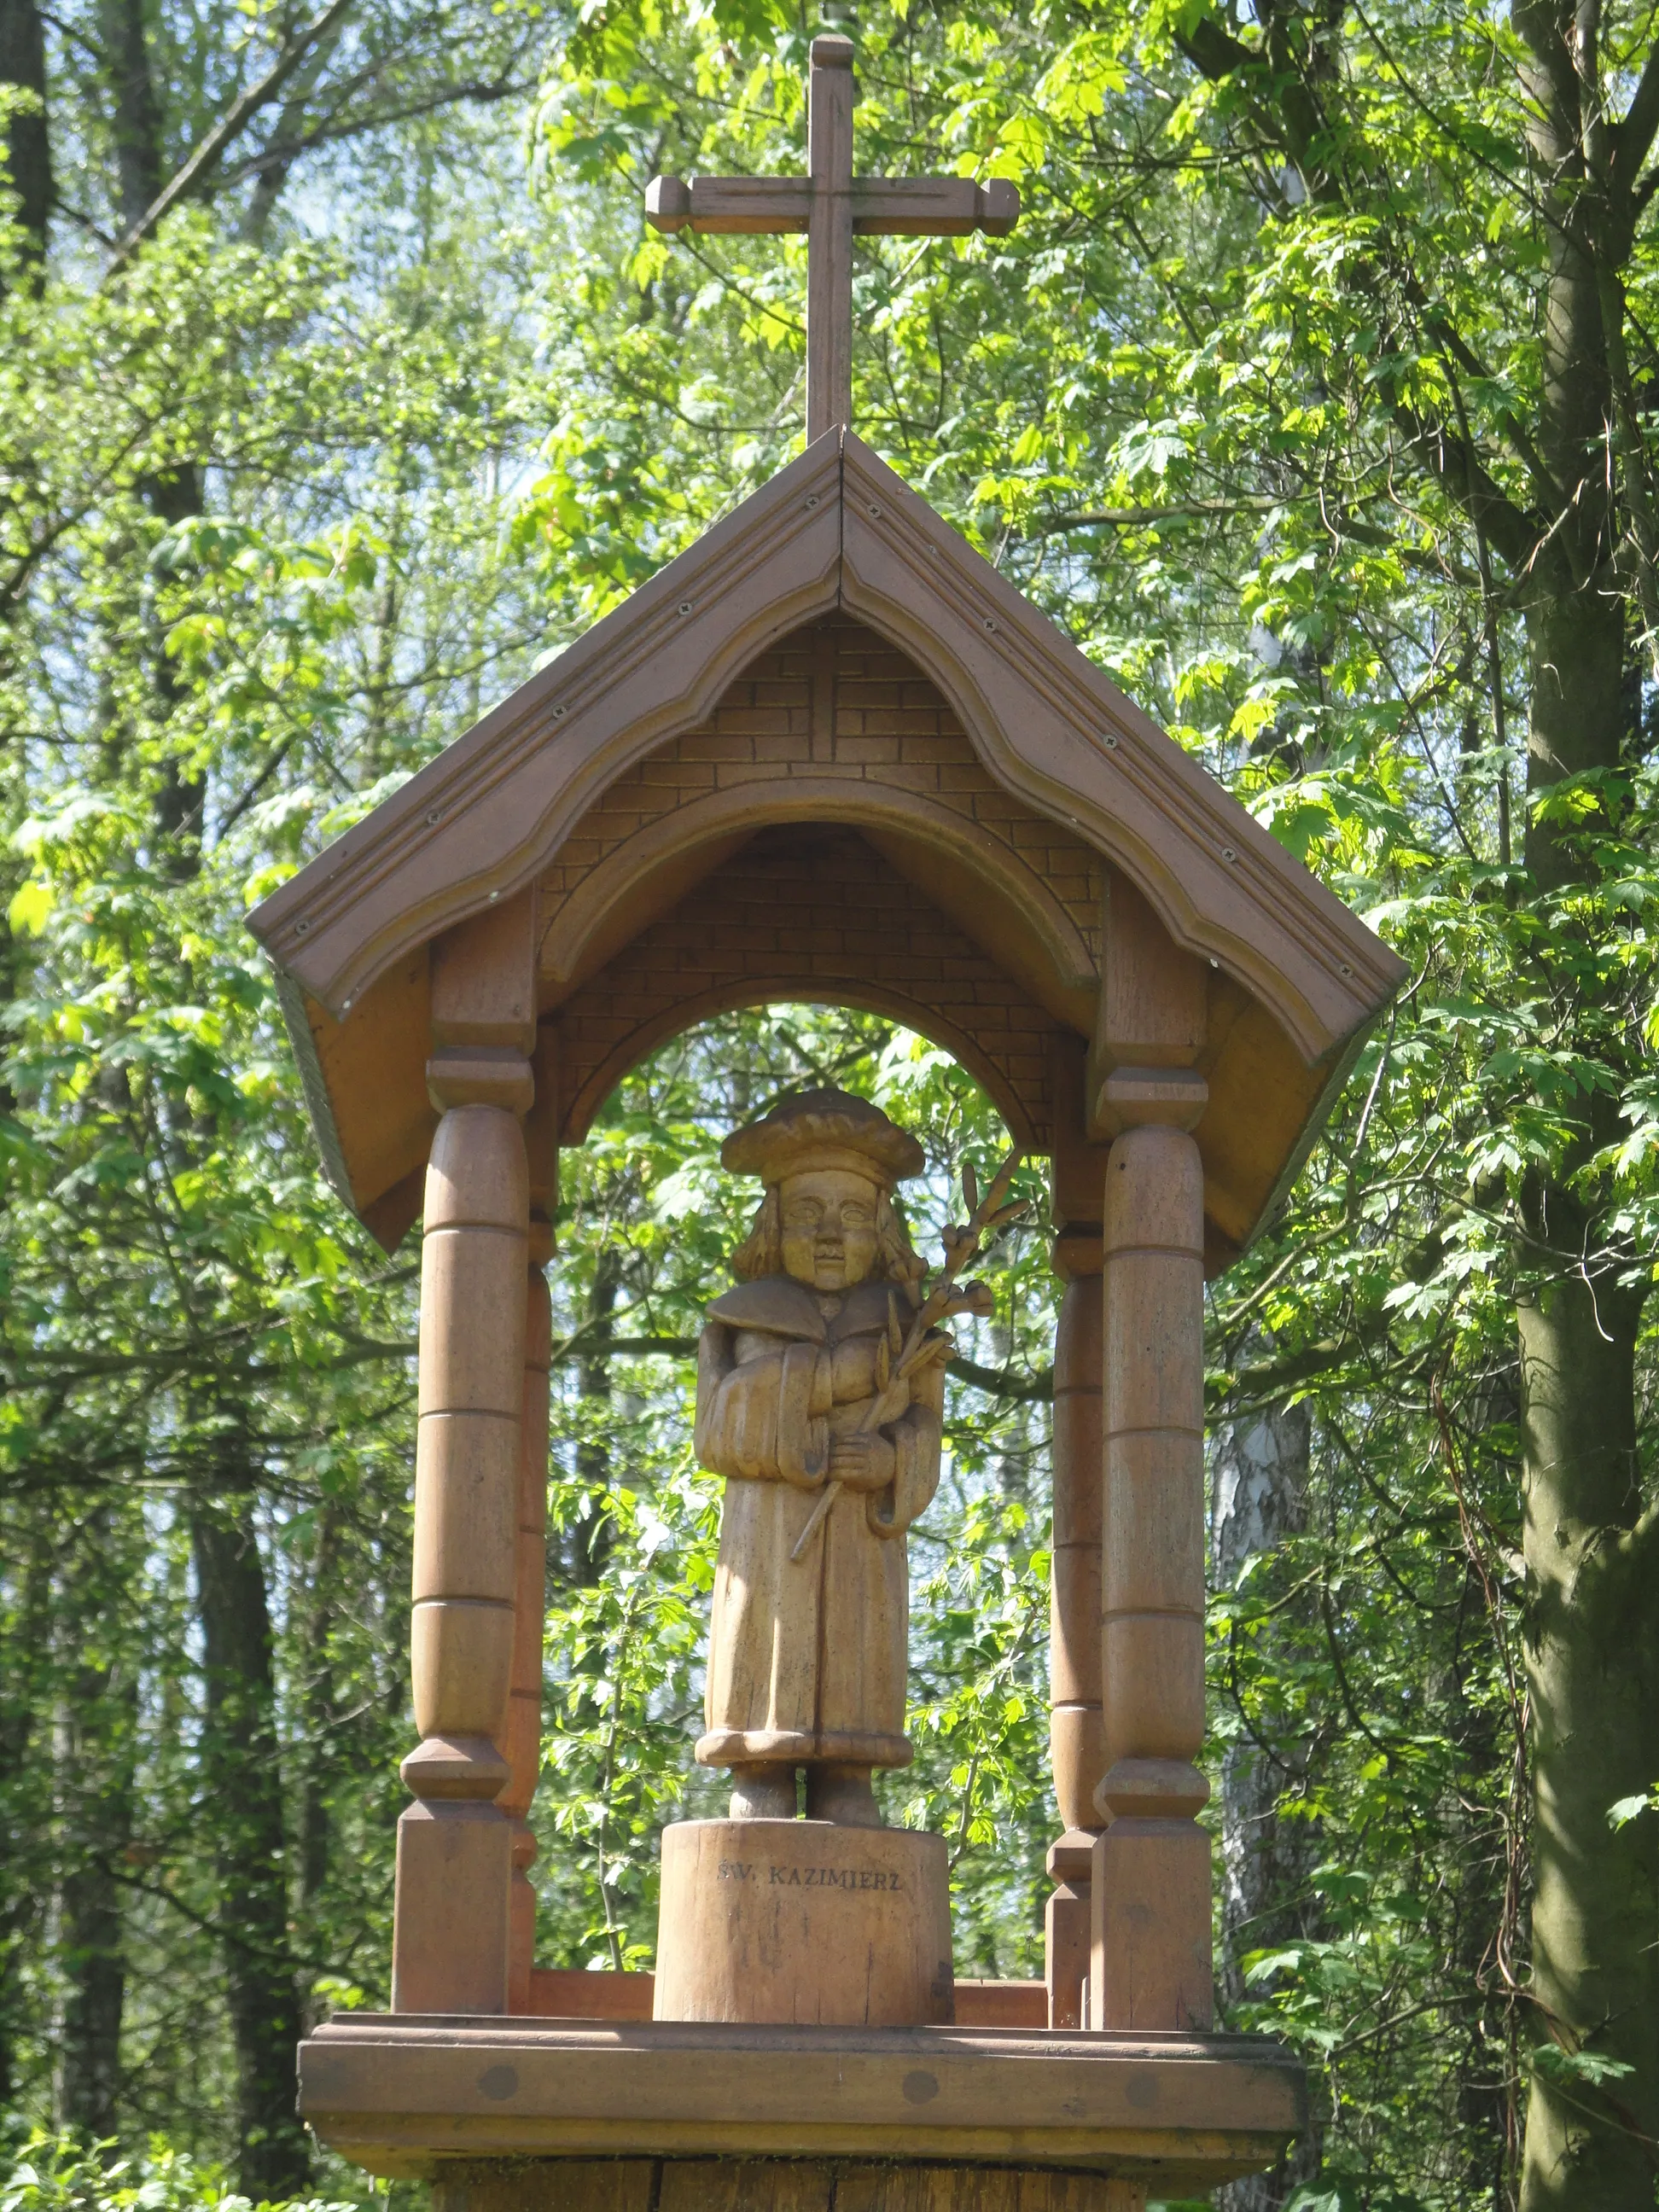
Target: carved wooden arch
x,y
580,1110
812,911
605,906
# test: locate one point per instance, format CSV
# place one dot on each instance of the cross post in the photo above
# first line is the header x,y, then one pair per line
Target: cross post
x,y
830,205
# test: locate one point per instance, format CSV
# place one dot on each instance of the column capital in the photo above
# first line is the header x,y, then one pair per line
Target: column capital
x,y
1139,1097
480,1075
1076,1251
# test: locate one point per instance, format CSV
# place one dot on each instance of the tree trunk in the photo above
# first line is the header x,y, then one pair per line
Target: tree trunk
x,y
1590,1631
95,1776
1577,708
591,1538
1592,1644
136,121
1259,1498
25,1823
242,1785
274,173
1592,1653
312,1823
27,142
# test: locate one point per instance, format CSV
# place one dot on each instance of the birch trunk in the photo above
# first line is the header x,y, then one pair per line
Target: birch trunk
x,y
1259,1472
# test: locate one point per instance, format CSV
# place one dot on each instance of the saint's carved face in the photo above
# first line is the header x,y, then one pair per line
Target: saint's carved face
x,y
829,1219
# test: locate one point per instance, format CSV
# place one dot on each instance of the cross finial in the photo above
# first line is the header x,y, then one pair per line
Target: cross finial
x,y
829,203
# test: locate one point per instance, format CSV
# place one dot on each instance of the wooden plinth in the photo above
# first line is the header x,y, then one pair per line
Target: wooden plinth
x,y
729,2184
403,2095
804,1922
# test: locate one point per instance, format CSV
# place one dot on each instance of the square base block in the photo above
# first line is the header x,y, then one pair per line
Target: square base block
x,y
449,1946
1149,1967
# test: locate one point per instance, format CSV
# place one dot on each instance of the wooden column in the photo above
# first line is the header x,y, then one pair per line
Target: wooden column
x,y
454,1844
1076,1738
1149,1885
523,1740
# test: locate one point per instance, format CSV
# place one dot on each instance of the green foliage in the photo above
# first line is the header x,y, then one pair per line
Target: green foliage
x,y
319,476
59,2174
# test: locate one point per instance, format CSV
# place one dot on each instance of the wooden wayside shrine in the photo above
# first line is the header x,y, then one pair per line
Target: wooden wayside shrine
x,y
828,754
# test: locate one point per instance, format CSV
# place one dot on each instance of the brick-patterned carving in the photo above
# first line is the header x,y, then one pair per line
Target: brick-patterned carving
x,y
808,913
834,700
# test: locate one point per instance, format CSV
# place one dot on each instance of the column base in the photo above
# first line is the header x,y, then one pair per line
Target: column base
x,y
1068,1929
449,1946
521,1919
804,1921
1150,1966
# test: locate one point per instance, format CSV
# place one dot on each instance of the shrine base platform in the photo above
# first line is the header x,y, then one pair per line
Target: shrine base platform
x,y
772,2184
408,2094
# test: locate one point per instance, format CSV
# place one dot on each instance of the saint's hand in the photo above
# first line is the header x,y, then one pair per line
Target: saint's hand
x,y
864,1462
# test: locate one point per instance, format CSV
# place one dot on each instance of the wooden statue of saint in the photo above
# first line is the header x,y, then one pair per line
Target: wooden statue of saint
x,y
808,1648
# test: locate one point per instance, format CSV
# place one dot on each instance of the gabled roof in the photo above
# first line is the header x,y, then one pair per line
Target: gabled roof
x,y
835,532
836,529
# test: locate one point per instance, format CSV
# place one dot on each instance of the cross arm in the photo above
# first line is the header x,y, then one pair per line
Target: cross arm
x,y
902,207
934,207
729,203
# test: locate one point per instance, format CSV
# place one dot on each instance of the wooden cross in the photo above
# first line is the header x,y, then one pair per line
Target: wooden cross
x,y
829,204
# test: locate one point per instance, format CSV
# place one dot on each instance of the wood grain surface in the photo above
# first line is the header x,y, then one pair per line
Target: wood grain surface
x,y
400,2095
770,2186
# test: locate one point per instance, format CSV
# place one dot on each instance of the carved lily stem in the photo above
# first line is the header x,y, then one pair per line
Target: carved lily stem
x,y
988,1215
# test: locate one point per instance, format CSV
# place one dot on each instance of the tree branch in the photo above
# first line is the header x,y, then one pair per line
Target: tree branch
x,y
1288,113
1632,137
278,152
995,1381
998,1382
1136,518
189,179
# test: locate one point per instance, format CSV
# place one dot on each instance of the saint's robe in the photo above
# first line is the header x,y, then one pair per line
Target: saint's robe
x,y
807,1658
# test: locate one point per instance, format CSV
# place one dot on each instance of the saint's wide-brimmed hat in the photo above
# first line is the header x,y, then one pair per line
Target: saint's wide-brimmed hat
x,y
823,1129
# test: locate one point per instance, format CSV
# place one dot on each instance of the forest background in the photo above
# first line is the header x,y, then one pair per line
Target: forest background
x,y
1315,395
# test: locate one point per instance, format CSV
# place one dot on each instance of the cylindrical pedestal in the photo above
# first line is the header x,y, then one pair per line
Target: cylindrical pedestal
x,y
1068,1929
804,1921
